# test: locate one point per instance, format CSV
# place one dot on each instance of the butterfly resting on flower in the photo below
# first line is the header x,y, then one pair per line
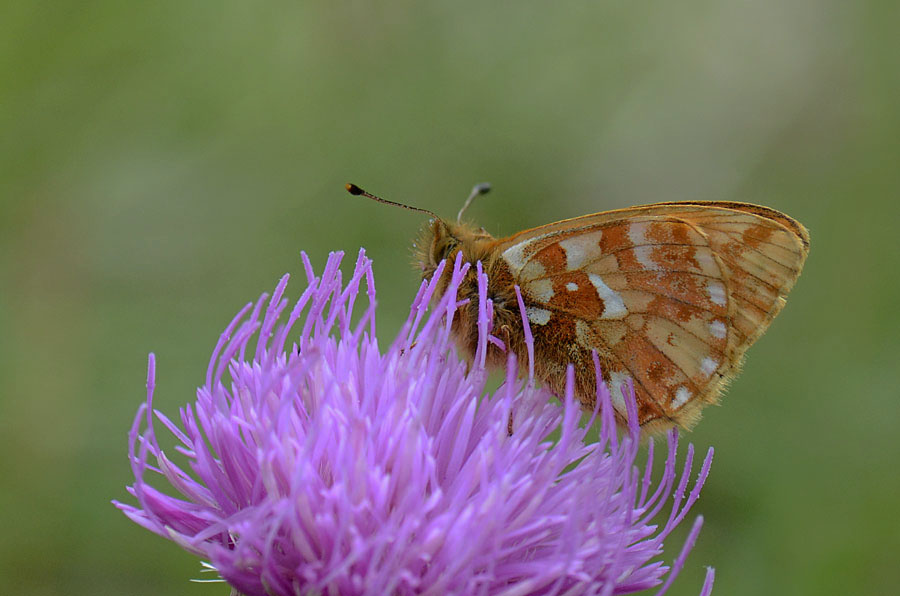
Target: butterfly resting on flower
x,y
669,295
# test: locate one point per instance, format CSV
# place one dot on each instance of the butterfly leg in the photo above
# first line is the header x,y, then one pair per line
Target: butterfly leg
x,y
506,331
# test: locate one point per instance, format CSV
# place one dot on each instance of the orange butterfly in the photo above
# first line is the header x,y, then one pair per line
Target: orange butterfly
x,y
669,295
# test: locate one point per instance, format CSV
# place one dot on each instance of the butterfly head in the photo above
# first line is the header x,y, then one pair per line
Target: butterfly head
x,y
440,240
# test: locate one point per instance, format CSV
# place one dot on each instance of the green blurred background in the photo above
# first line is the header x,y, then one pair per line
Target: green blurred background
x,y
162,163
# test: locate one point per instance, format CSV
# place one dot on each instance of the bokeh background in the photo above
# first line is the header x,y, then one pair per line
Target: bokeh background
x,y
162,163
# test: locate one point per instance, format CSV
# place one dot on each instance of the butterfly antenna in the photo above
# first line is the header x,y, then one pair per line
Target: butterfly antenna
x,y
477,190
355,190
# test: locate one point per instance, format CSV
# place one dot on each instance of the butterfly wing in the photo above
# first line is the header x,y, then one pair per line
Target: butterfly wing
x,y
762,251
670,295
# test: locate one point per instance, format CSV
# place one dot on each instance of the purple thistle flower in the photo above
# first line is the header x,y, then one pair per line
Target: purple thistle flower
x,y
329,467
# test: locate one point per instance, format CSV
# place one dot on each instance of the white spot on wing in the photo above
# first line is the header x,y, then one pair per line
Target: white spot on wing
x,y
681,397
574,253
572,286
540,289
716,291
613,305
717,329
617,381
644,256
705,260
709,366
637,233
515,255
581,248
538,316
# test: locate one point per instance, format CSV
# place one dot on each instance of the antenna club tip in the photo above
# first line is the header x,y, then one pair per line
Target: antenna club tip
x,y
353,189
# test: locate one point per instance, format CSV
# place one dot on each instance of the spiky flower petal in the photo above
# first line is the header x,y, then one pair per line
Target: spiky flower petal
x,y
318,464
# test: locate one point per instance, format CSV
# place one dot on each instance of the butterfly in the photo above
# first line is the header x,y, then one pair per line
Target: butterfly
x,y
669,296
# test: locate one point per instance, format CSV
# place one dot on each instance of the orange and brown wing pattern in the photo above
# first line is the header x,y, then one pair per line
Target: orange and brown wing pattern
x,y
668,295
762,251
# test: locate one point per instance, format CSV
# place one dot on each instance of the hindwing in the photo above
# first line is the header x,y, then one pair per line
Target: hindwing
x,y
670,295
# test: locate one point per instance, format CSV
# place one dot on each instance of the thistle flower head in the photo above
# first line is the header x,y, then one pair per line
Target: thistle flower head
x,y
319,464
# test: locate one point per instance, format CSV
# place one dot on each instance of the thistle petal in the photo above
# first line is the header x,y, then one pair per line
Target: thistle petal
x,y
329,466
